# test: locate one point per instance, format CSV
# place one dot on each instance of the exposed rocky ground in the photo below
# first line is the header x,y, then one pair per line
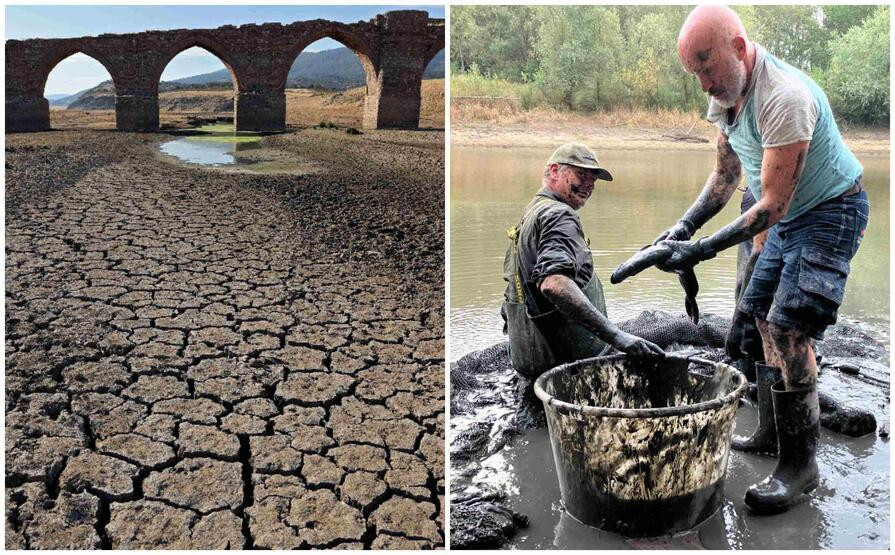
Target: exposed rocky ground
x,y
197,359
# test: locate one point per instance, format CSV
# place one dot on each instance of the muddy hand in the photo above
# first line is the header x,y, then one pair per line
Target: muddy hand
x,y
647,257
678,232
685,254
636,346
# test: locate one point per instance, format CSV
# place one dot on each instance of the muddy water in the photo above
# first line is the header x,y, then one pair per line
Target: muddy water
x,y
491,186
489,189
205,153
219,147
212,145
849,510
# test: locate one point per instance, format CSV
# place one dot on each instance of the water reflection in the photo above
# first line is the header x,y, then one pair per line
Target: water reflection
x,y
207,153
490,187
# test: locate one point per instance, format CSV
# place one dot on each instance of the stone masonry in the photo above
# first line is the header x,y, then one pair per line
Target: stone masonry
x,y
394,48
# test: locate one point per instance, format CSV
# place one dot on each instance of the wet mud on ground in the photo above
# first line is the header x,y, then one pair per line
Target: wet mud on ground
x,y
197,359
505,491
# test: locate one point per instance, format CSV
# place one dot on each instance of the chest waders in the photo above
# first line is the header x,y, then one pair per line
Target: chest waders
x,y
538,343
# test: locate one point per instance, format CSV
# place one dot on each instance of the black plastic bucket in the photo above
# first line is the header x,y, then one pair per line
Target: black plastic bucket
x,y
641,447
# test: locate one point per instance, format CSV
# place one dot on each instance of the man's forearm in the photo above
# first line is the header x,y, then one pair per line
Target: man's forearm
x,y
719,187
754,221
571,301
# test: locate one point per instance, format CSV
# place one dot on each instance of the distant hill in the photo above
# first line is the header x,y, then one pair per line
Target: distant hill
x,y
338,68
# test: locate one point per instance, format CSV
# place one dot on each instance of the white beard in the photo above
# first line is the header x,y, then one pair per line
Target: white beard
x,y
733,92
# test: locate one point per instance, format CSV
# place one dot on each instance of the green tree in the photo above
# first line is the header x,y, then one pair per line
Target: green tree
x,y
652,71
579,50
498,39
857,81
463,31
839,19
792,33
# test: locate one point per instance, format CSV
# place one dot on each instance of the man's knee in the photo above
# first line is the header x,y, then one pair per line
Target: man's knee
x,y
784,336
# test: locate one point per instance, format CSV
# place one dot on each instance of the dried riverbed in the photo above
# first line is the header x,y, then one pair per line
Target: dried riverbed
x,y
201,359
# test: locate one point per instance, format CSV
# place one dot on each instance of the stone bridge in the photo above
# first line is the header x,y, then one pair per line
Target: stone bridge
x,y
394,48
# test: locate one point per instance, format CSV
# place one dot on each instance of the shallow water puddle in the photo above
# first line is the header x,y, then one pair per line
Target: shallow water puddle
x,y
212,145
849,510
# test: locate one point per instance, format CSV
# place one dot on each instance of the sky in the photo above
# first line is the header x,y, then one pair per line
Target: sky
x,y
80,72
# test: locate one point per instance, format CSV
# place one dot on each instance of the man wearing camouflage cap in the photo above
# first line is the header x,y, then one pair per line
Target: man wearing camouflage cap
x,y
554,307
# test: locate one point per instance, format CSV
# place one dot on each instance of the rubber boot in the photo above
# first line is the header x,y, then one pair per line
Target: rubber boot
x,y
798,429
764,440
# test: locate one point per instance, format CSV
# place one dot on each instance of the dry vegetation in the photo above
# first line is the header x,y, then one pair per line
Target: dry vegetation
x,y
304,107
509,111
503,122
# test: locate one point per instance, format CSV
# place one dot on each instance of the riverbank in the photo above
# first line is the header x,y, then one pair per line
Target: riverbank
x,y
548,128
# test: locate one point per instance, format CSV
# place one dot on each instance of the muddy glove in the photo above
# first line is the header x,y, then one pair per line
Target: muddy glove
x,y
635,346
681,231
733,344
685,254
743,339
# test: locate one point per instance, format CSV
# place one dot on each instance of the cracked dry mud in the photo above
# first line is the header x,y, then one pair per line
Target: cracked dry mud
x,y
197,359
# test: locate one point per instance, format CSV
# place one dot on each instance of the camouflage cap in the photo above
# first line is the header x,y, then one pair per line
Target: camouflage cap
x,y
577,154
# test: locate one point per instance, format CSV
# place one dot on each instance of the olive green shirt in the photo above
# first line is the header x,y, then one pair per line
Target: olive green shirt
x,y
554,243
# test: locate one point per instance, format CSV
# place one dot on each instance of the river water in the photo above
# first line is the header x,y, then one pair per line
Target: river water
x,y
490,187
652,188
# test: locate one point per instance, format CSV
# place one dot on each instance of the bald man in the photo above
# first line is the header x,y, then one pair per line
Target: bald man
x,y
775,124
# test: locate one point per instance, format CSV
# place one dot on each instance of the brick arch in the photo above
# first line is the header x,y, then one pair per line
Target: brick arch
x,y
343,34
391,48
431,53
202,41
55,56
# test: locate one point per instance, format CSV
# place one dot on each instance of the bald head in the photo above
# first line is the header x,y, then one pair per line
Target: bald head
x,y
713,46
708,27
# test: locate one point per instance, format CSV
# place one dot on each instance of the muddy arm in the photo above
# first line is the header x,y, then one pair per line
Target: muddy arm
x,y
781,169
718,188
564,293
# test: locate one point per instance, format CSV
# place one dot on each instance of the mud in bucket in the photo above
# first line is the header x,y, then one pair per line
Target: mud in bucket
x,y
641,447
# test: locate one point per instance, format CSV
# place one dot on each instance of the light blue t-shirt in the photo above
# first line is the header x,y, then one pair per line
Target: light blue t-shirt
x,y
784,106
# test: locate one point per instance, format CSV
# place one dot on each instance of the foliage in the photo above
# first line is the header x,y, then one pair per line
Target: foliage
x,y
579,50
792,33
857,80
606,57
839,19
494,37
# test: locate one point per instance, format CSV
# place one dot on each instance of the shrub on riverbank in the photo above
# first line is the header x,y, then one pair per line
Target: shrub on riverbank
x,y
601,58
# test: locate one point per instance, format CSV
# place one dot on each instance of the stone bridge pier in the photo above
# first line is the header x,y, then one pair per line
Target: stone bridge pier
x,y
394,49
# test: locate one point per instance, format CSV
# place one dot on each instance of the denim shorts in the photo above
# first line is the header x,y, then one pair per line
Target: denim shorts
x,y
799,278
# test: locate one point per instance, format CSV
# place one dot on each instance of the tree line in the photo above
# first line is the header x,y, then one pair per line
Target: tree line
x,y
590,58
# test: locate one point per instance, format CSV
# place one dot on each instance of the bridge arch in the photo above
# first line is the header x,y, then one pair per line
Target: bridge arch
x,y
390,47
204,42
340,33
431,53
56,55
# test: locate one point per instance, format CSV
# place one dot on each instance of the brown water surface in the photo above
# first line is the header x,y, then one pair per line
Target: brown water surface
x,y
491,186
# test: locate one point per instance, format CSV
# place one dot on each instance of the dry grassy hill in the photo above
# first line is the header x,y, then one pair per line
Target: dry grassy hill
x,y
303,107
